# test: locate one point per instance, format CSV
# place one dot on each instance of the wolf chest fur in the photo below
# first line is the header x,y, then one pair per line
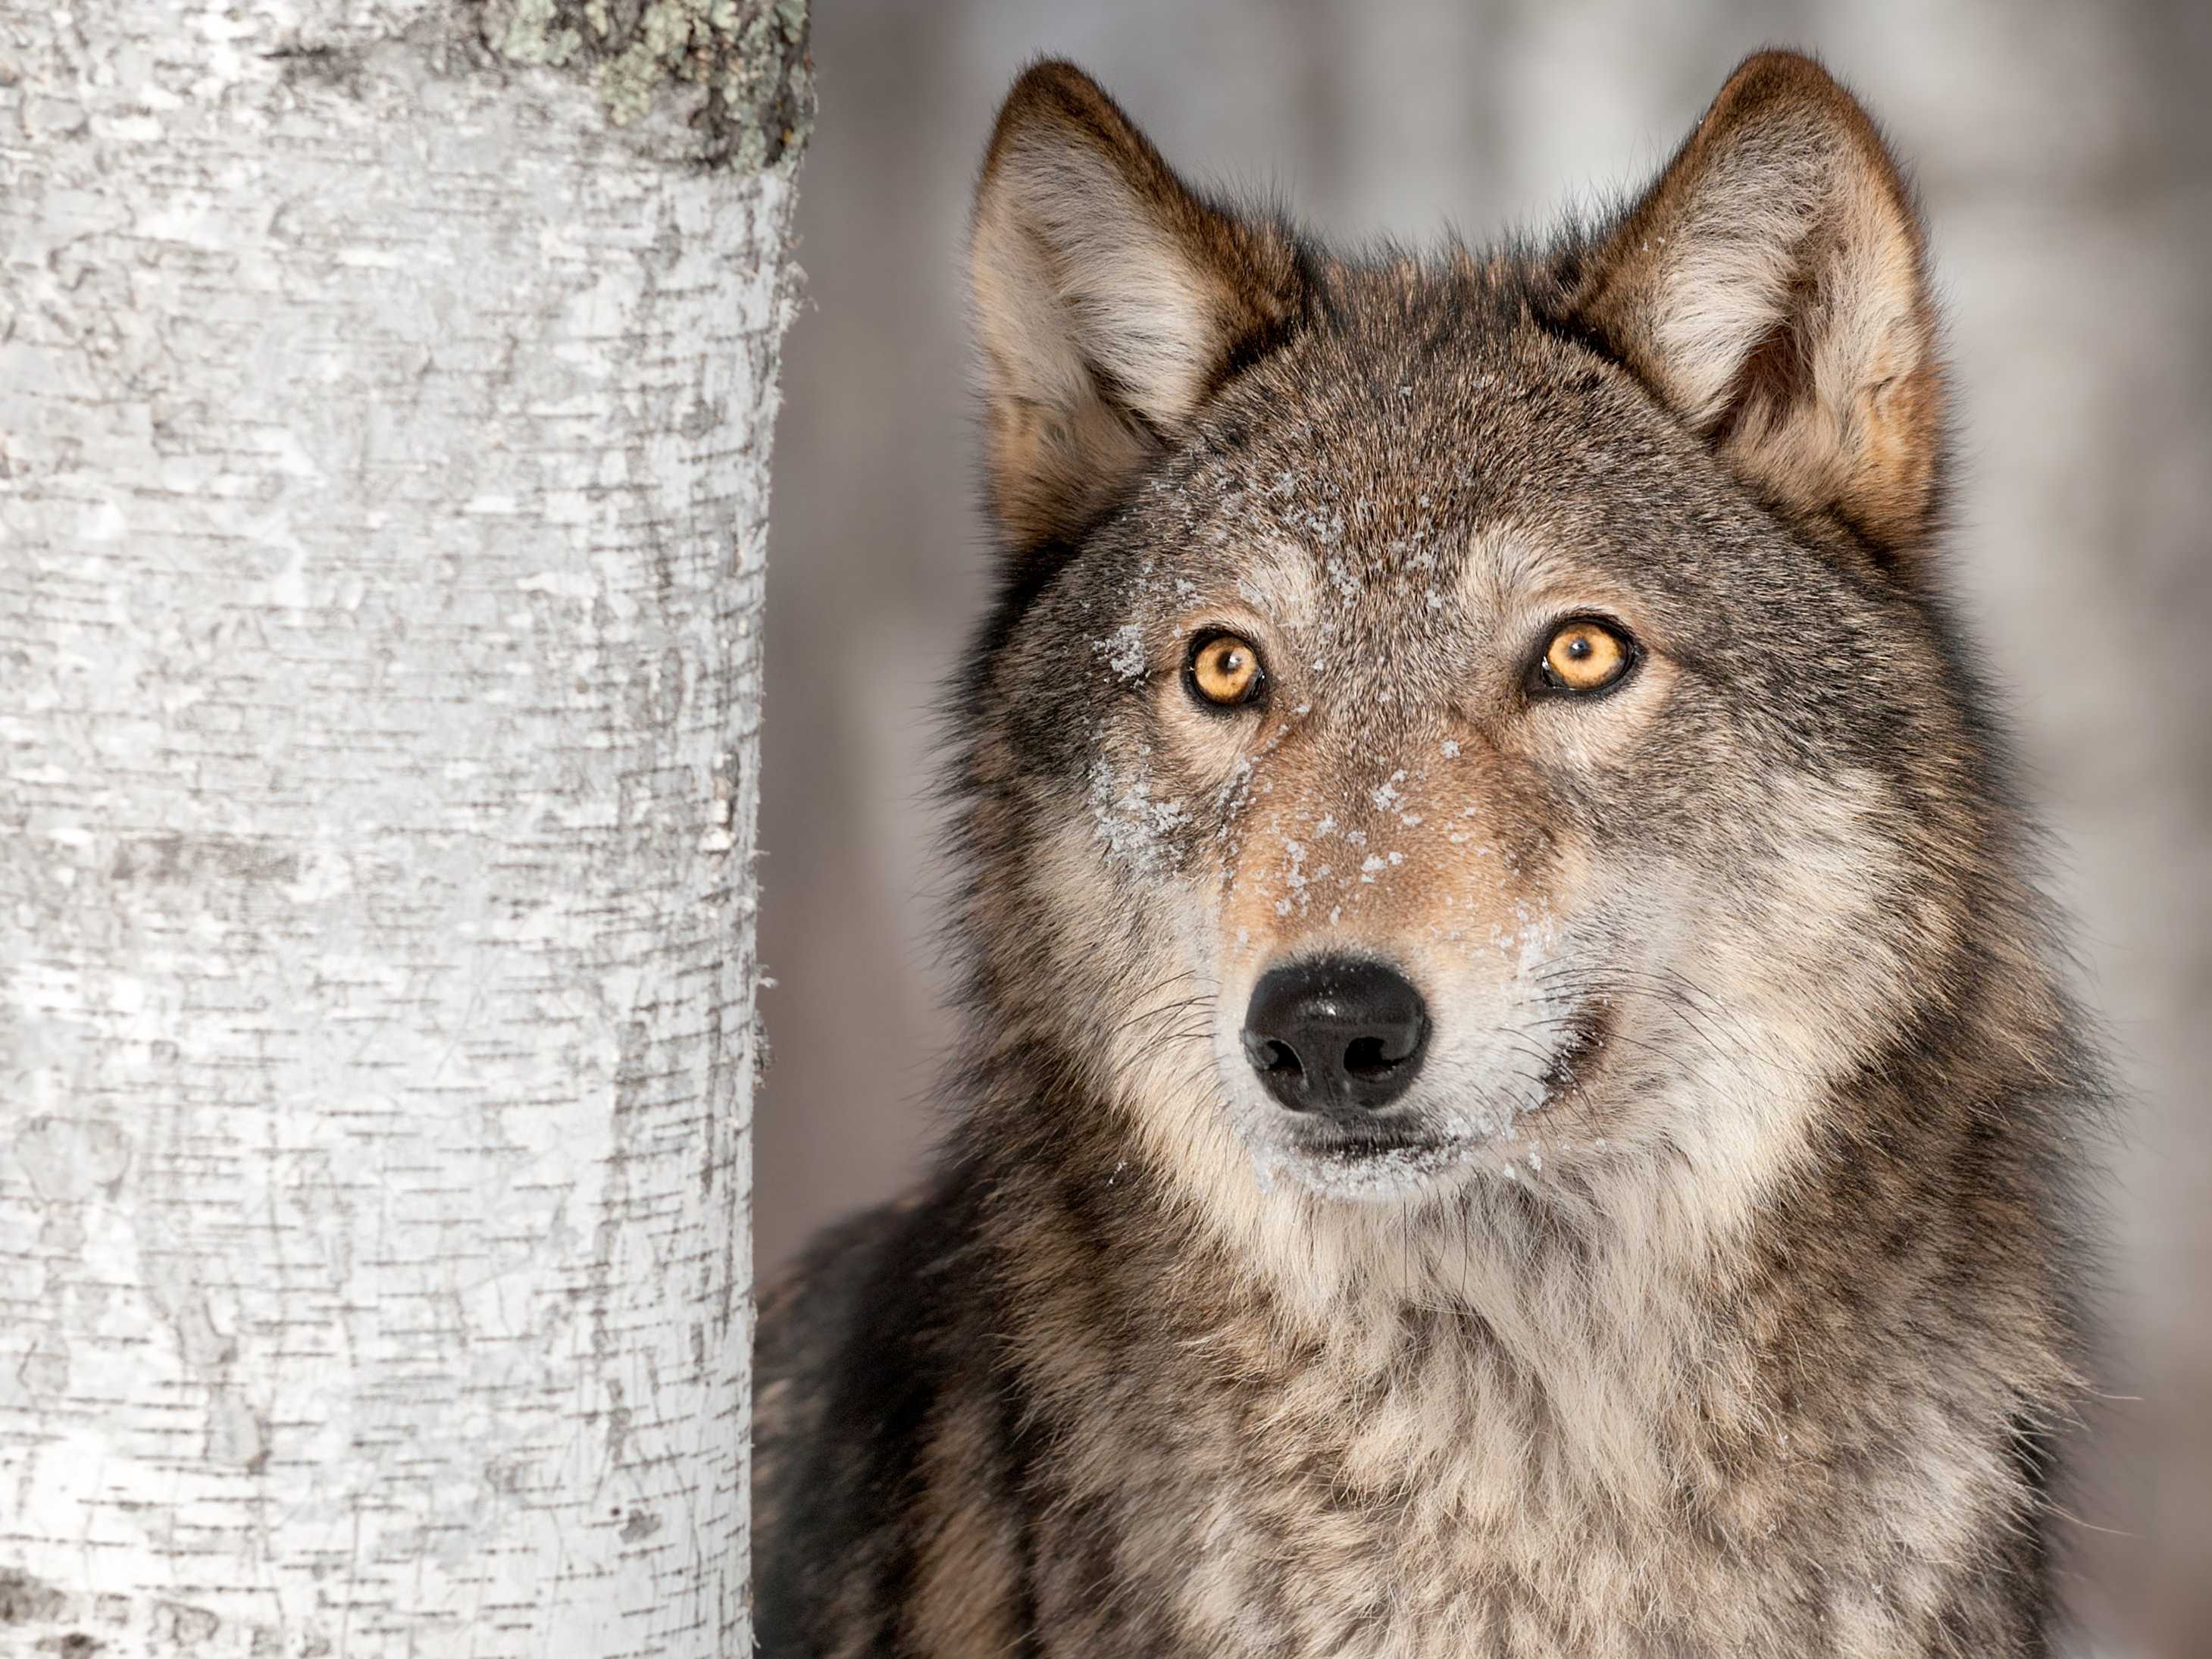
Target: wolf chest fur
x,y
1516,1097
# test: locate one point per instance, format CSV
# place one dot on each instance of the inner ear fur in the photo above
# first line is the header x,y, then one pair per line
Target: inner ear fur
x,y
1109,301
1772,289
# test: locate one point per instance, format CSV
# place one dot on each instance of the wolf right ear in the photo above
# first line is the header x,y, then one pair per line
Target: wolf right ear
x,y
1109,301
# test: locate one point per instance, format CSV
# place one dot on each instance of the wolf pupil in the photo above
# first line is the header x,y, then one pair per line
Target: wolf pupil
x,y
1365,1058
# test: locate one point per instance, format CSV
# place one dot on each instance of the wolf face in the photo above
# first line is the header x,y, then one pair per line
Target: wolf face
x,y
1486,720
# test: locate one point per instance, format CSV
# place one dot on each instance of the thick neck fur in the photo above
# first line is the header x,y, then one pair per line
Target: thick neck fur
x,y
1851,1375
1598,1322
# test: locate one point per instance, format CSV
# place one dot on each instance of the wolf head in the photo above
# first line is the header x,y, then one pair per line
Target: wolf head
x,y
1475,723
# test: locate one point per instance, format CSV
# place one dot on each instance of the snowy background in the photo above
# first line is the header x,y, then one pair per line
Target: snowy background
x,y
2064,153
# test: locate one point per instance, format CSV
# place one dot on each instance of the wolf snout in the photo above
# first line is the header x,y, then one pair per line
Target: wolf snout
x,y
1339,1036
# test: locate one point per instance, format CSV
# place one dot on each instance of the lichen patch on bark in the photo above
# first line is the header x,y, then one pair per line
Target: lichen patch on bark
x,y
745,61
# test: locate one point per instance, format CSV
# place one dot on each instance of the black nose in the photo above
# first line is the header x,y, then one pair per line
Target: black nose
x,y
1335,1036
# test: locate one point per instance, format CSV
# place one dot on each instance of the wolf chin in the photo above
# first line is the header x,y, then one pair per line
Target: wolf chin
x,y
1517,1095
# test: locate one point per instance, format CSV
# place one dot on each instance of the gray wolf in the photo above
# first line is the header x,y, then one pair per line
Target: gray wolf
x,y
1518,1097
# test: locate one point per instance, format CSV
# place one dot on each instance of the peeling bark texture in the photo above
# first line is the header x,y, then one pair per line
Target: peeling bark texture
x,y
384,410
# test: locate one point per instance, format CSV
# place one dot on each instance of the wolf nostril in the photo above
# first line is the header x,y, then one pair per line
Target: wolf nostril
x,y
1364,1058
1339,1035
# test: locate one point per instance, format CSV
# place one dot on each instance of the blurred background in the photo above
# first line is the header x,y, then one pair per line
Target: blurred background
x,y
2064,155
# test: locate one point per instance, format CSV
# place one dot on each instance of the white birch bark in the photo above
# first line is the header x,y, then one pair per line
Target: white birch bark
x,y
385,401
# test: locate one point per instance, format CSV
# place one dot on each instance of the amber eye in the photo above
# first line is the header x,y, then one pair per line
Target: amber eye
x,y
1586,655
1224,671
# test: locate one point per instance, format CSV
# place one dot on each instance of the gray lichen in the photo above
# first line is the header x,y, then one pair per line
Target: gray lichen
x,y
748,58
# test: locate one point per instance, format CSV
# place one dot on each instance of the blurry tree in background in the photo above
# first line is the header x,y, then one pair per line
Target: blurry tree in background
x,y
385,401
2065,154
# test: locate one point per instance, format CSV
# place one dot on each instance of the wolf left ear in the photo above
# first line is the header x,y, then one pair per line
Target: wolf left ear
x,y
1109,301
1772,288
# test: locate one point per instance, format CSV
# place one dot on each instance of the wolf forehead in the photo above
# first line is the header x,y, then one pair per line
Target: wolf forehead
x,y
1424,426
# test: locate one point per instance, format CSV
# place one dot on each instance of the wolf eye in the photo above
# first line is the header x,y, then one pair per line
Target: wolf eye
x,y
1584,656
1224,671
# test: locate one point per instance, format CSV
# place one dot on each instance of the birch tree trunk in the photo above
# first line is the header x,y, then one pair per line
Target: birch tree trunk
x,y
384,400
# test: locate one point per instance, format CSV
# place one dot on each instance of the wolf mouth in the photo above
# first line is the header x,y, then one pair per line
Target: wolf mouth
x,y
1417,1147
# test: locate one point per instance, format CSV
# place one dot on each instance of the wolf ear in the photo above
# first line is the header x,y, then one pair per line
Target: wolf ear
x,y
1772,289
1109,300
